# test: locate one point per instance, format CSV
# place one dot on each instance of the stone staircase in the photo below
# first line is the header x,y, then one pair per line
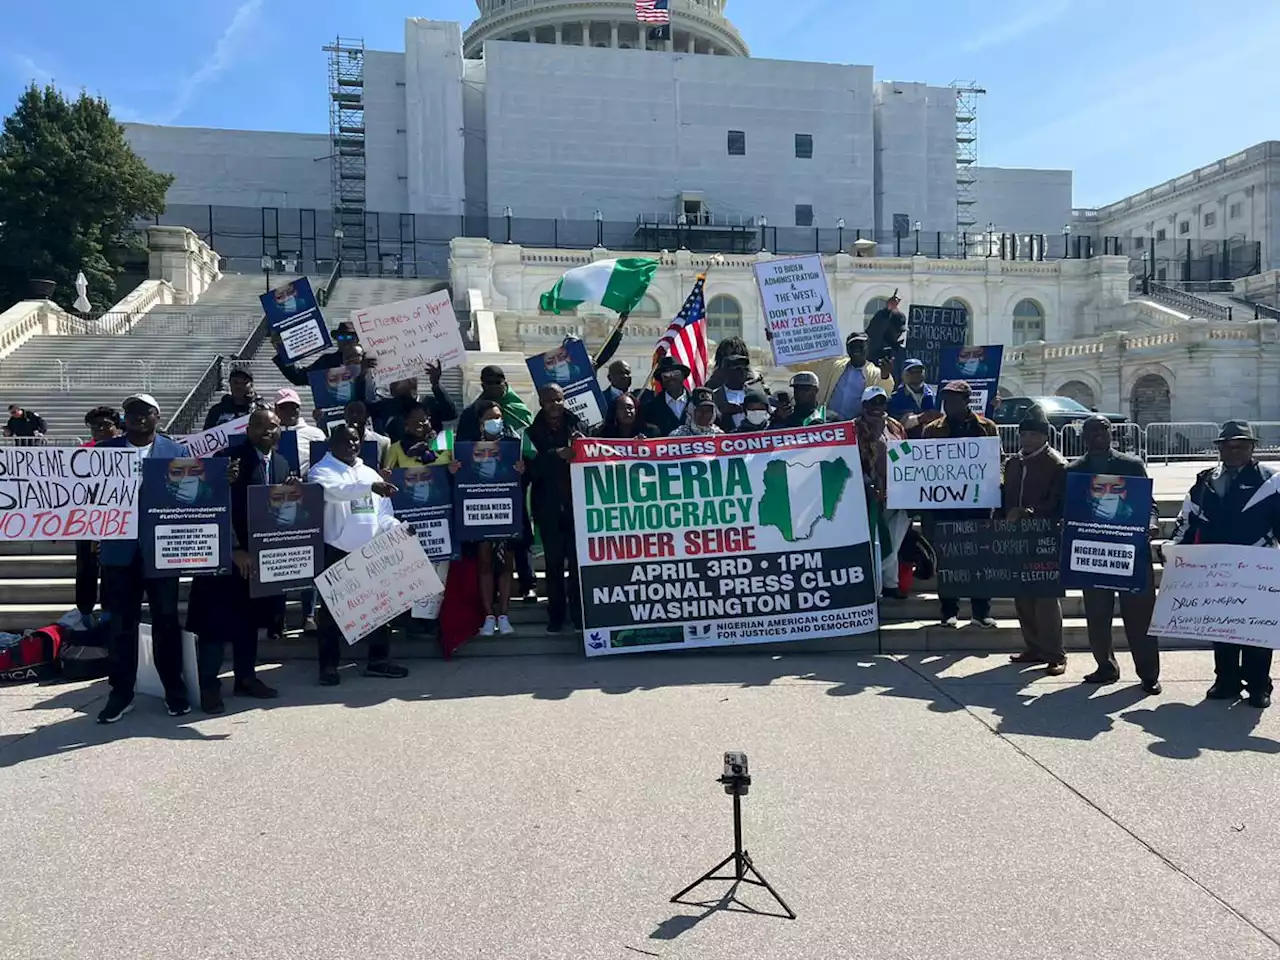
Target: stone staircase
x,y
37,586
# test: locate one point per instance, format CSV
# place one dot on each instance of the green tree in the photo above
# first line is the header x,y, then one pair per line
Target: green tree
x,y
71,192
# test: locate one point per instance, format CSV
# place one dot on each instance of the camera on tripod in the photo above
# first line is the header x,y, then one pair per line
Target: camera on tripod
x,y
736,777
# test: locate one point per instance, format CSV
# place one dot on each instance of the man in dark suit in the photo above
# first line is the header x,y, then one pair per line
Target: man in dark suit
x,y
124,583
220,608
666,410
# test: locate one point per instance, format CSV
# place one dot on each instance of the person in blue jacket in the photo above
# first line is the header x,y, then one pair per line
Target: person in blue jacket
x,y
914,397
123,582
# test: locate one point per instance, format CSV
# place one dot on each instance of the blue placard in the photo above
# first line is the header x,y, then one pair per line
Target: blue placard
x,y
424,500
368,452
288,448
980,368
184,517
1106,542
293,314
286,536
332,390
569,367
487,500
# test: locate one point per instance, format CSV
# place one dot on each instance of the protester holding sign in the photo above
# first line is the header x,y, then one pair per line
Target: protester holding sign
x,y
222,608
419,443
887,331
553,433
700,416
1238,501
1034,486
844,379
1102,461
349,353
568,367
804,410
123,581
959,421
357,509
876,429
914,403
389,411
104,423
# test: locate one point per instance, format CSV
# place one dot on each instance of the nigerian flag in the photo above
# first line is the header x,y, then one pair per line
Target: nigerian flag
x,y
797,495
616,284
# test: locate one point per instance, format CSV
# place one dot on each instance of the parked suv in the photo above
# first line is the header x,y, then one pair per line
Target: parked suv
x,y
1066,415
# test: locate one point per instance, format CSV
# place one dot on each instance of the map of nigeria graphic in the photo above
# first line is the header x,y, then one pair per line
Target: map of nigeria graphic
x,y
793,493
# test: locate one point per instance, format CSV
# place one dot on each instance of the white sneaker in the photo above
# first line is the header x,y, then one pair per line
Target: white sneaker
x,y
504,626
490,625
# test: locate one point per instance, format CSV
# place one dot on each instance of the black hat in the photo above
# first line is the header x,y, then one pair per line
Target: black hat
x,y
669,364
702,396
1034,425
736,360
755,394
1236,430
856,335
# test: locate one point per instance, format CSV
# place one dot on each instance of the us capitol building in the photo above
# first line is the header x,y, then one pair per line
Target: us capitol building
x,y
549,133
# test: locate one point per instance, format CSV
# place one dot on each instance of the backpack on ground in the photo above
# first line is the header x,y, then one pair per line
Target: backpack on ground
x,y
83,655
32,657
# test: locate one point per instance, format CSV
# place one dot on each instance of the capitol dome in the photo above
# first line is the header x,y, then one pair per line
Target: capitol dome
x,y
697,26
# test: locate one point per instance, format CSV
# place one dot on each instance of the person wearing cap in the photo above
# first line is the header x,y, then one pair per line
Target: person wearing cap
x,y
665,411
349,352
876,430
914,403
288,407
239,402
845,378
124,583
958,420
700,418
755,410
1101,458
731,395
804,410
1237,501
726,349
1035,485
887,333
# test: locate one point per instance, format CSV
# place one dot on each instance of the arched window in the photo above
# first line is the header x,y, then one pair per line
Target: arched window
x,y
955,303
874,304
724,317
1028,322
648,307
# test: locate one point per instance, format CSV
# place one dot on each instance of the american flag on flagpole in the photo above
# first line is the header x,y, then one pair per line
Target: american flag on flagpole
x,y
653,11
686,338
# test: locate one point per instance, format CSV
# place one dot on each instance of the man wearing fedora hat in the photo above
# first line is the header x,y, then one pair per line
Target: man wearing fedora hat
x,y
1237,501
666,410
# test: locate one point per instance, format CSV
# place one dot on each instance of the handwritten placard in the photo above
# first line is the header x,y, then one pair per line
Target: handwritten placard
x,y
69,493
948,474
798,309
1220,592
209,442
998,558
407,335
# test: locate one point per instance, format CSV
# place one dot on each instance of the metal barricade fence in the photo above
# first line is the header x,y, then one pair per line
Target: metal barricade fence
x,y
1182,441
1268,433
41,441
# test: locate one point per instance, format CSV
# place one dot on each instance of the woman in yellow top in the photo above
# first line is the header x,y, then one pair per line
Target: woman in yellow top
x,y
420,444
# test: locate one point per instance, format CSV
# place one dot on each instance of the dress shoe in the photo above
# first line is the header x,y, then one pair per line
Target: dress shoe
x,y
1026,656
386,670
255,688
1055,669
211,701
1260,700
1152,687
1101,676
329,677
1223,691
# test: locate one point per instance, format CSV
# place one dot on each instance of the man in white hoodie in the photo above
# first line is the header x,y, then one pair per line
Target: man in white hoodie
x,y
357,507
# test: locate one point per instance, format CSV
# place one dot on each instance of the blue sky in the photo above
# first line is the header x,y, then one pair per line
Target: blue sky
x,y
1124,94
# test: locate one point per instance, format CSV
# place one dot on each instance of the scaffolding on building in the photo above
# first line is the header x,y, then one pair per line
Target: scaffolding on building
x,y
347,141
967,95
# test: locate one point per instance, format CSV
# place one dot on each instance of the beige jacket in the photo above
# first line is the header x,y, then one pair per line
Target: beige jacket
x,y
830,371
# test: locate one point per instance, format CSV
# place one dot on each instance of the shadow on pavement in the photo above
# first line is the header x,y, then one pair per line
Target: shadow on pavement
x,y
1185,732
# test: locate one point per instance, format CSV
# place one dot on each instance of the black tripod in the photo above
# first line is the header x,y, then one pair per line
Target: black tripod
x,y
741,860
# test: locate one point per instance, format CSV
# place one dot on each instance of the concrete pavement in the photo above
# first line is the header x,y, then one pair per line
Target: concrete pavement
x,y
933,806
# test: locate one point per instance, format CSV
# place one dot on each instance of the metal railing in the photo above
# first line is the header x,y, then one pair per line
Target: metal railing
x,y
1193,305
1156,442
41,441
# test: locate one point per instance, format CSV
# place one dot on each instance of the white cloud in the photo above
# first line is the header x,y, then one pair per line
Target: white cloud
x,y
29,71
1008,29
232,41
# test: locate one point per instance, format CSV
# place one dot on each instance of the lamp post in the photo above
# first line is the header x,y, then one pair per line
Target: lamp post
x,y
266,269
917,228
681,222
991,233
764,222
506,212
840,235
1066,241
338,236
599,218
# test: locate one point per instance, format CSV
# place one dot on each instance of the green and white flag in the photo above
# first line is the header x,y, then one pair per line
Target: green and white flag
x,y
797,495
616,284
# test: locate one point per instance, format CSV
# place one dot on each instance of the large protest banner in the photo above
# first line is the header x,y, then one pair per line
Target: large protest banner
x,y
714,541
294,316
951,474
69,493
488,501
184,517
980,367
930,330
987,557
1220,592
799,313
375,584
407,335
332,390
1105,543
424,500
286,536
209,442
569,367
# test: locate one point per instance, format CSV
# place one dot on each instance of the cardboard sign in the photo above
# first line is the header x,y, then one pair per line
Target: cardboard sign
x,y
286,536
69,493
798,310
375,584
488,500
1105,539
980,368
569,367
209,442
951,474
1220,592
998,558
407,335
424,500
293,314
930,330
184,517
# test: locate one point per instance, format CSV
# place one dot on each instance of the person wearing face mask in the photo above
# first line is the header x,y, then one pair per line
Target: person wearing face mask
x,y
846,378
623,421
123,581
701,416
1237,501
914,403
1035,485
553,432
876,430
619,375
1102,459
220,608
420,443
666,410
755,411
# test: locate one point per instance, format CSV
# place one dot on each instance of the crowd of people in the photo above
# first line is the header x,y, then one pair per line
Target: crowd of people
x,y
1237,501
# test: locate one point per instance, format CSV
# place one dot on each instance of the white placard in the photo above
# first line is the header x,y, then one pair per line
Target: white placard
x,y
182,546
951,474
487,513
206,443
69,493
430,609
407,335
1220,592
375,584
798,310
303,339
